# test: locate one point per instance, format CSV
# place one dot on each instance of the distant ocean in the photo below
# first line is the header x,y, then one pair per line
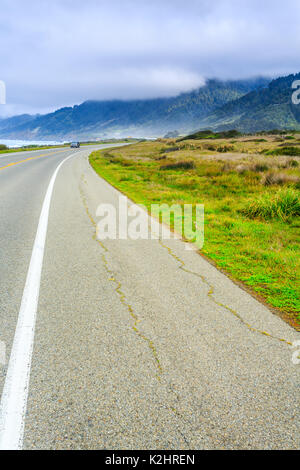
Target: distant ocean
x,y
22,143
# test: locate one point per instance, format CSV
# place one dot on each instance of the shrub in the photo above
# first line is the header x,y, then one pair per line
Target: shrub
x,y
208,134
225,148
287,144
227,166
291,151
279,178
209,146
282,205
170,149
257,167
118,160
242,168
108,155
186,165
288,163
163,157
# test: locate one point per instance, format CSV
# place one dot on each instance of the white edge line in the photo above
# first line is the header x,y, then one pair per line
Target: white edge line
x,y
15,391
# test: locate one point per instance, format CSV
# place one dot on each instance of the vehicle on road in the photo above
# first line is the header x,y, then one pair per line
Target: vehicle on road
x,y
75,145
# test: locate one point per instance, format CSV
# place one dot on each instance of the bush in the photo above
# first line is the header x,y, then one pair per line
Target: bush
x,y
242,168
288,163
3,147
163,157
282,205
186,165
211,147
291,151
266,164
279,178
170,149
257,167
287,144
225,148
108,155
208,134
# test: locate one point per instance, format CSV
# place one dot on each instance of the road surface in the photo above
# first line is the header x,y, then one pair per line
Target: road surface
x,y
136,344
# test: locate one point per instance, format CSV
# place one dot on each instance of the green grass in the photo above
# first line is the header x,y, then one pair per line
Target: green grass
x,y
208,134
283,205
291,151
251,231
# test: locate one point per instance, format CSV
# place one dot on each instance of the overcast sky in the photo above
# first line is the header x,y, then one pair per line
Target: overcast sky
x,y
55,53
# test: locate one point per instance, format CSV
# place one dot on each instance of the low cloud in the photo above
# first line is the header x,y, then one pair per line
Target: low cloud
x,y
66,51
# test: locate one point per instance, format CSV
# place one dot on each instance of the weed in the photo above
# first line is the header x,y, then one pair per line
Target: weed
x,y
186,165
282,205
291,151
279,179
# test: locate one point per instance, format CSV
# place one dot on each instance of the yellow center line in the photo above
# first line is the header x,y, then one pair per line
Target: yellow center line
x,y
31,158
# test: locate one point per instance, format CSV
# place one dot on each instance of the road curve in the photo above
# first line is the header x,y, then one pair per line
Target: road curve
x,y
138,344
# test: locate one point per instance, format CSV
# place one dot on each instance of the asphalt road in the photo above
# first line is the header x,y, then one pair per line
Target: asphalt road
x,y
138,344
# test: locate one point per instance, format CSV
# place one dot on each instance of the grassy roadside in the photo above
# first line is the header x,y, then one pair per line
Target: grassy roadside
x,y
251,203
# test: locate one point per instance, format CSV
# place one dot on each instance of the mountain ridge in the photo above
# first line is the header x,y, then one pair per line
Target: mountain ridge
x,y
138,118
263,109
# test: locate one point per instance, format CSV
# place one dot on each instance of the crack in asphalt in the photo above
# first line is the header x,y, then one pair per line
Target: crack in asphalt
x,y
122,296
118,289
211,294
123,300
